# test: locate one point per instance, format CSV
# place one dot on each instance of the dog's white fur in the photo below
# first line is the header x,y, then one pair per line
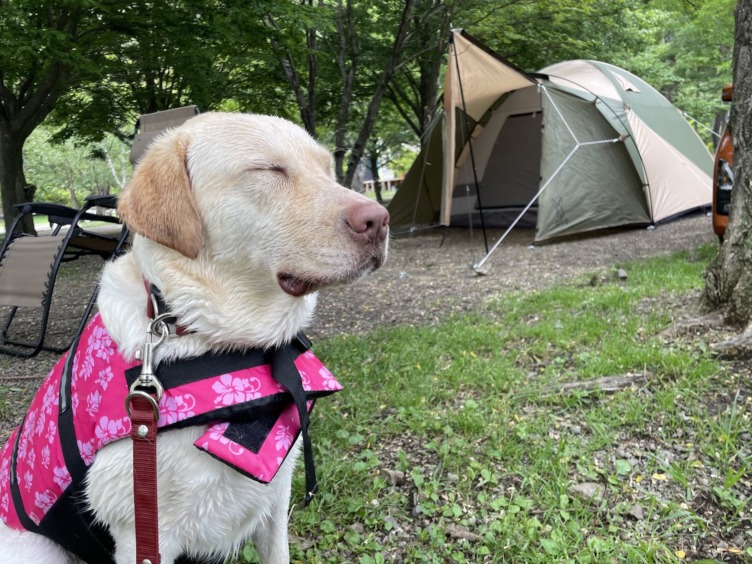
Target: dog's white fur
x,y
221,207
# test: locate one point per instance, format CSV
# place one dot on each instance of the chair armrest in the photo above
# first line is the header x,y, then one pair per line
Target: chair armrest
x,y
57,213
102,201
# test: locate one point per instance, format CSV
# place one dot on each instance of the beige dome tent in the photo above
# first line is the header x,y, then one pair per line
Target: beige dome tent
x,y
584,144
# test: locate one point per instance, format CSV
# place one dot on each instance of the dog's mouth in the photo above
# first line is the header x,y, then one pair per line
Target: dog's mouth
x,y
295,286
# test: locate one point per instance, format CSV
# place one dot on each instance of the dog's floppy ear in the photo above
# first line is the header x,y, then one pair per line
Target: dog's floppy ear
x,y
159,203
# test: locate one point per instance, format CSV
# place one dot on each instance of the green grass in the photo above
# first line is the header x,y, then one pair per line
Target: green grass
x,y
465,411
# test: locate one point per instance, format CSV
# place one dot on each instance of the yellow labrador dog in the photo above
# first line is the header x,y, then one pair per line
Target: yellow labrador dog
x,y
238,221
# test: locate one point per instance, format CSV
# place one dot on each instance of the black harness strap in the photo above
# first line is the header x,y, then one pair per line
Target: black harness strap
x,y
286,373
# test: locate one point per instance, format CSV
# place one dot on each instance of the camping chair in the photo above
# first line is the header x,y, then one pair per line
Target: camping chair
x,y
29,265
151,126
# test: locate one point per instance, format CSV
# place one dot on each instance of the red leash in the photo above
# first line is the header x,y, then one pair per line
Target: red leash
x,y
144,435
142,405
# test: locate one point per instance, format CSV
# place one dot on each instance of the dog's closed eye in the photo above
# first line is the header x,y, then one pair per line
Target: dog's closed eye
x,y
269,168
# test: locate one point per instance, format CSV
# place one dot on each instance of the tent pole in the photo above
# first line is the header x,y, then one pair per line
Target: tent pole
x,y
470,145
422,177
479,266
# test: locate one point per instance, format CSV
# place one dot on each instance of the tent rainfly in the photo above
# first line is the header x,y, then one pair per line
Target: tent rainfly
x,y
579,146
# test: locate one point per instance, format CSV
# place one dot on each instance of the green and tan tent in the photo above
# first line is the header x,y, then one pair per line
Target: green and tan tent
x,y
579,146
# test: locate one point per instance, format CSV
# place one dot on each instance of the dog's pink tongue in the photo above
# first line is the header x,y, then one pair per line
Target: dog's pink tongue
x,y
292,285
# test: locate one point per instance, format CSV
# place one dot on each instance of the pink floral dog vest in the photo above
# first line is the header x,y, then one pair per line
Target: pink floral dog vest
x,y
252,402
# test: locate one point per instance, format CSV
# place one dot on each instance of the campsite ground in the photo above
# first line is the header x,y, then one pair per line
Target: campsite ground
x,y
429,276
426,280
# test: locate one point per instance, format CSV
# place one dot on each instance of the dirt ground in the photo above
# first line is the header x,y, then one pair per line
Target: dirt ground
x,y
429,276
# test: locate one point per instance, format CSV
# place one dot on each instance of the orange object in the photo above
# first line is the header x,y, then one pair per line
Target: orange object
x,y
723,175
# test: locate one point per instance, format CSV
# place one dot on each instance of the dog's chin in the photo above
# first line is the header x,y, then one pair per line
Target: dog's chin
x,y
301,285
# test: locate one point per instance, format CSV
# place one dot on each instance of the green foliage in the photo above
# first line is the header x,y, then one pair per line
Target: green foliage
x,y
319,62
39,37
68,172
168,54
539,33
685,51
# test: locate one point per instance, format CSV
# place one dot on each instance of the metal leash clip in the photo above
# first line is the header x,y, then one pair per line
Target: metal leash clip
x,y
147,385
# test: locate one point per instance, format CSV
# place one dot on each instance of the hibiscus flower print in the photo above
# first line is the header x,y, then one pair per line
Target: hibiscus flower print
x,y
22,446
328,380
104,377
28,480
109,430
87,451
84,368
177,408
4,503
51,431
283,438
231,390
100,344
61,476
92,403
216,432
40,424
216,435
305,380
34,517
46,456
31,421
44,500
50,399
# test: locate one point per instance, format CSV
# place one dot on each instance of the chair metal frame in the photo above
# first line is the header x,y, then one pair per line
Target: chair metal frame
x,y
74,242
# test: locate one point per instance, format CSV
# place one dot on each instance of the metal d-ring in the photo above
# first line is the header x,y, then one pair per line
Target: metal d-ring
x,y
159,323
141,394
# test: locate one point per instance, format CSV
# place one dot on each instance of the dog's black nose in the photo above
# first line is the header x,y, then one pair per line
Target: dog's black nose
x,y
368,219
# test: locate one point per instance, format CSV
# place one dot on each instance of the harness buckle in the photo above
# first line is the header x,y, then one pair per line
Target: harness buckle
x,y
147,385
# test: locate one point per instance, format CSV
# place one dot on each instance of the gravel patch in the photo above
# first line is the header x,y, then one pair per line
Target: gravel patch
x,y
429,276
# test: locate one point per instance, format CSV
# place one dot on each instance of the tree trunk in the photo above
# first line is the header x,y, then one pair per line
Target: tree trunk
x,y
376,178
728,279
417,100
305,97
373,107
12,180
347,63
